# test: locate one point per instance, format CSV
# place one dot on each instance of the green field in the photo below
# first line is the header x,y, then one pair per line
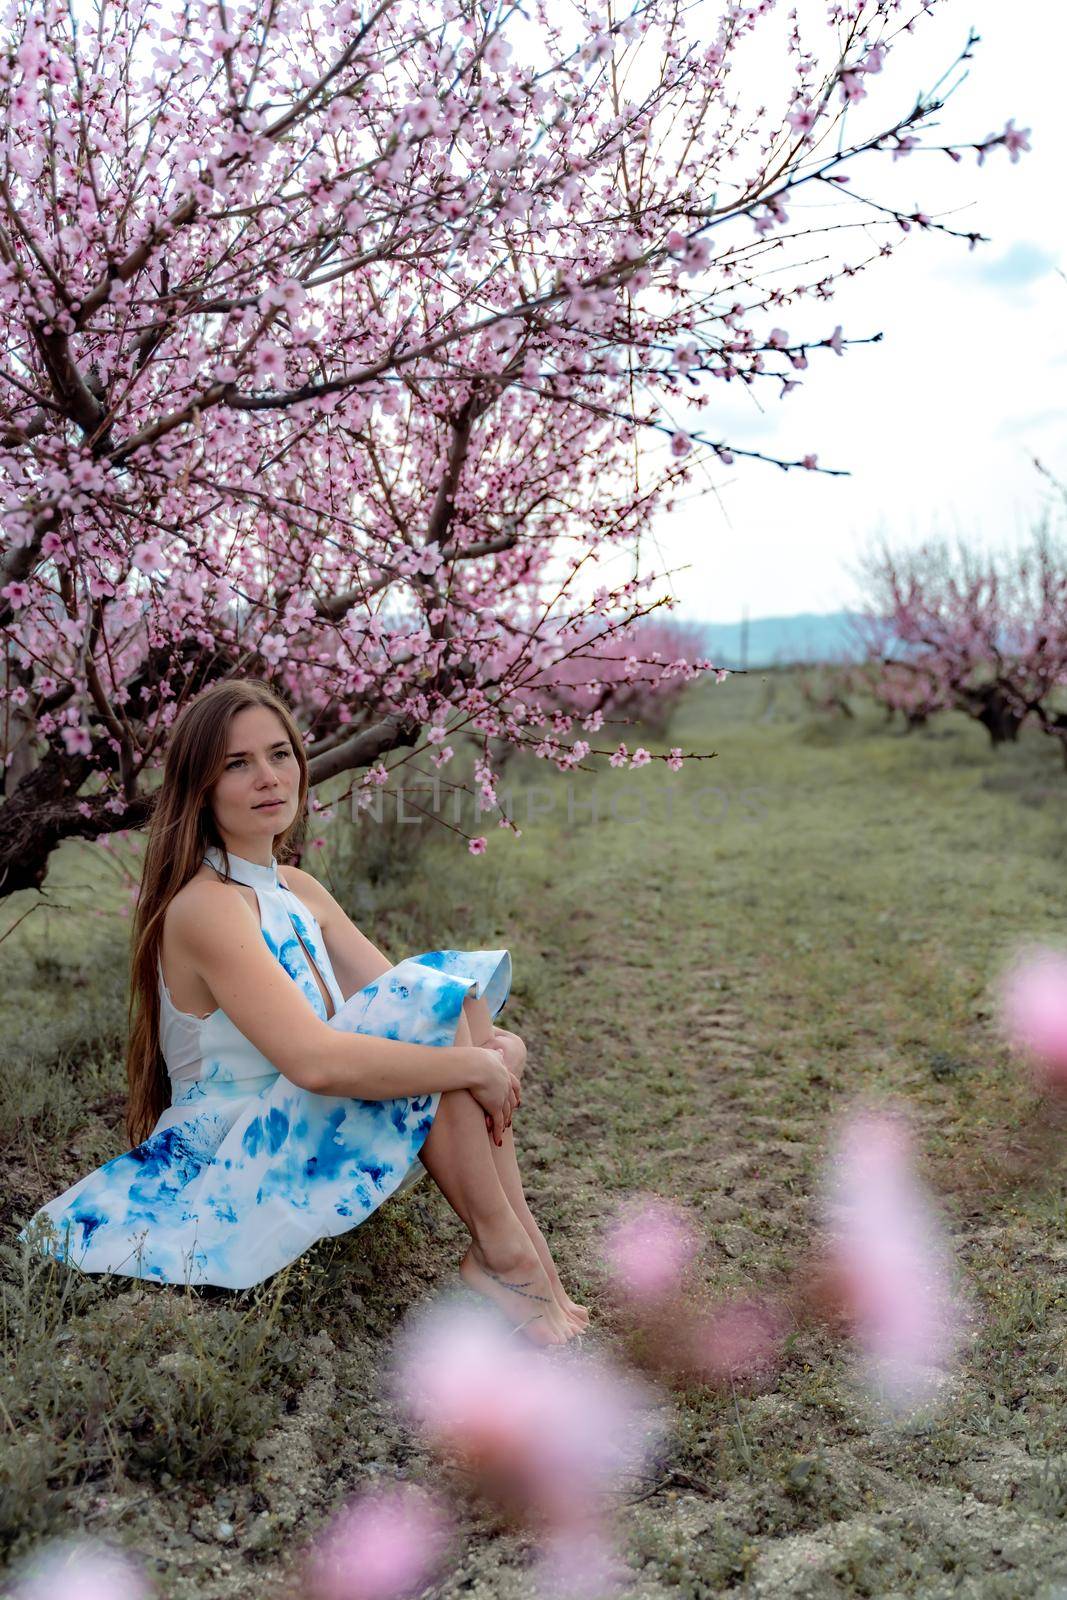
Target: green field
x,y
814,915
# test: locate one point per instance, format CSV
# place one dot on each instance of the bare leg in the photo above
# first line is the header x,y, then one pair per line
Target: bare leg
x,y
507,1168
502,1263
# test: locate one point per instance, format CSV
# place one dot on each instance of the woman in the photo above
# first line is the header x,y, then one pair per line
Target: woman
x,y
308,1079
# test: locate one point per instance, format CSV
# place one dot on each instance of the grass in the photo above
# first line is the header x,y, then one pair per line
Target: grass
x,y
814,915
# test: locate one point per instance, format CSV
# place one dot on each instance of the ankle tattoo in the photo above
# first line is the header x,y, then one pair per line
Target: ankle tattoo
x,y
519,1288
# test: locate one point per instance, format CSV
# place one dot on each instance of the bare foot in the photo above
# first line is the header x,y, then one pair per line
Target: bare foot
x,y
576,1315
516,1283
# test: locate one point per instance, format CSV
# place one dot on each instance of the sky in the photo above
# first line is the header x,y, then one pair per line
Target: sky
x,y
938,424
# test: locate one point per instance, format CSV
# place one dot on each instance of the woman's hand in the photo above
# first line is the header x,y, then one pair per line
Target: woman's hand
x,y
495,1087
511,1047
513,1050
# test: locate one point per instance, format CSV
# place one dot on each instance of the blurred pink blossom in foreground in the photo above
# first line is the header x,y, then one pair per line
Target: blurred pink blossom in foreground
x,y
384,1545
1032,1006
890,1261
648,1247
579,1563
738,1340
75,1569
547,1434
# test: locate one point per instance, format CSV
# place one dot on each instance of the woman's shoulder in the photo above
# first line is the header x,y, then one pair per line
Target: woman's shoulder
x,y
203,889
306,888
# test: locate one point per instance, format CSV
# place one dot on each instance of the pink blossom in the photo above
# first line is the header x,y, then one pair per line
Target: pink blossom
x,y
695,255
382,1546
775,212
30,56
640,757
598,46
890,1259
674,760
803,119
1032,1006
18,593
78,740
550,1432
851,87
477,846
273,647
681,444
587,306
443,757
87,475
739,1339
579,1563
148,557
874,60
22,102
906,142
620,757
423,116
1015,139
686,356
809,461
835,341
496,53
777,339
437,734
269,360
648,1246
75,1569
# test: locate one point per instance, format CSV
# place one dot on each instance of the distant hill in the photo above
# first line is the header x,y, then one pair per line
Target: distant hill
x,y
780,641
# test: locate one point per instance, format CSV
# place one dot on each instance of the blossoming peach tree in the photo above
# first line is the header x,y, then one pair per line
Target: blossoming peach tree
x,y
972,632
343,342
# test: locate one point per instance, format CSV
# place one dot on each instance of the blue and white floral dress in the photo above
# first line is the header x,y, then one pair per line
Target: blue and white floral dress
x,y
245,1169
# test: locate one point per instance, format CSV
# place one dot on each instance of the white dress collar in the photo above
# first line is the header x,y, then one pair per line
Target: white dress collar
x,y
242,871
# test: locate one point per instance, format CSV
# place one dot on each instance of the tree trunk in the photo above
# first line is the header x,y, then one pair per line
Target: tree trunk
x,y
999,715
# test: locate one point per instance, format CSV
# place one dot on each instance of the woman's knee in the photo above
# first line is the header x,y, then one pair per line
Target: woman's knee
x,y
457,1106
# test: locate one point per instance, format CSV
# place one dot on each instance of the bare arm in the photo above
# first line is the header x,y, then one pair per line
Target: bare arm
x,y
221,936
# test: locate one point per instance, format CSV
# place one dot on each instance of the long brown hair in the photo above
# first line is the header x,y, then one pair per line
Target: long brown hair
x,y
181,826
